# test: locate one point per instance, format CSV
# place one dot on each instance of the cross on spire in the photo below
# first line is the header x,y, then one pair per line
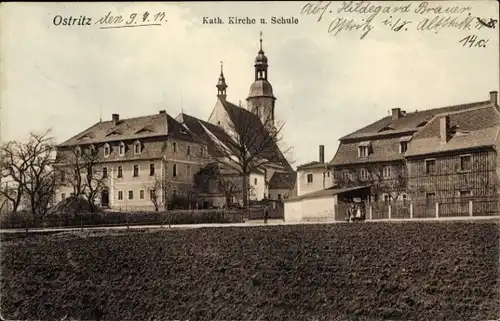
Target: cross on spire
x,y
221,68
260,40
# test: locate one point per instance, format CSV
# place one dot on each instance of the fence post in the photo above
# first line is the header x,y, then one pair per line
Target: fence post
x,y
437,209
411,210
370,212
390,210
470,208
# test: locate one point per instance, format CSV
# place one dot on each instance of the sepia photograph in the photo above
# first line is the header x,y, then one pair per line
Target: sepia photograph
x,y
232,160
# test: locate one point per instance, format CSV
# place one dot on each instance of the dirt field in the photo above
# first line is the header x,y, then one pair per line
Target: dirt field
x,y
376,271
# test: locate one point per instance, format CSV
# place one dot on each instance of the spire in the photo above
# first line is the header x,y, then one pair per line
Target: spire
x,y
261,42
221,85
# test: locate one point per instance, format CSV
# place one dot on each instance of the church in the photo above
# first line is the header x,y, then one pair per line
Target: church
x,y
159,159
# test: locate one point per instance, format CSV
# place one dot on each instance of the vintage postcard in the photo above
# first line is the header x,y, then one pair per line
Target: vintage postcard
x,y
324,160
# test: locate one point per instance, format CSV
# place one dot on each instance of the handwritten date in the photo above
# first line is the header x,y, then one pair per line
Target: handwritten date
x,y
473,41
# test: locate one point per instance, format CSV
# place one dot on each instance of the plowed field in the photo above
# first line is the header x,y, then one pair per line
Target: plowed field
x,y
406,271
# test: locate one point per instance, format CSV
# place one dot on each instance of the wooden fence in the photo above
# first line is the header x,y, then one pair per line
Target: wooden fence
x,y
436,208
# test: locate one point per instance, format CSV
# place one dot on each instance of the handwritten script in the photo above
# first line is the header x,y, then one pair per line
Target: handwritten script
x,y
363,17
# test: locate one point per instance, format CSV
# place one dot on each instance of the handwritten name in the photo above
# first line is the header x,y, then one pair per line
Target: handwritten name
x,y
364,16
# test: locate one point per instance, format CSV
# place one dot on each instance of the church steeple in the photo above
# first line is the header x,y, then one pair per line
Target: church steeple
x,y
261,100
221,85
261,63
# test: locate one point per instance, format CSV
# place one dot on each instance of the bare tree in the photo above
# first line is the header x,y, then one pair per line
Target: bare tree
x,y
85,174
155,191
29,166
394,182
12,171
250,144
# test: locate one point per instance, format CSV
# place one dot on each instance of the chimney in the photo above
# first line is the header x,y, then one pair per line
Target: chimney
x,y
396,113
116,118
162,111
444,128
321,153
494,97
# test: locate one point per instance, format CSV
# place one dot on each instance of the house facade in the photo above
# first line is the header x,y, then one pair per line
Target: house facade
x,y
389,154
314,176
456,156
132,160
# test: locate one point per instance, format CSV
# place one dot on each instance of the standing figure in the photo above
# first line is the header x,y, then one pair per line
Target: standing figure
x,y
266,213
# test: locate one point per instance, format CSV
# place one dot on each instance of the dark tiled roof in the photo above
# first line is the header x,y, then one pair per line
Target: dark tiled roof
x,y
409,122
311,165
249,126
383,150
283,180
199,128
127,129
473,128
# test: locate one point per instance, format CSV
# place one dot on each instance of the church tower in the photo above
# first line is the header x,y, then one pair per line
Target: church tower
x,y
221,85
261,100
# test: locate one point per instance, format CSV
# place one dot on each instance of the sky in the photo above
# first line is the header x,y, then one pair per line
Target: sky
x,y
327,84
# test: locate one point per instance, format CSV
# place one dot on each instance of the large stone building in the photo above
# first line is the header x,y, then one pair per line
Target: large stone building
x,y
160,158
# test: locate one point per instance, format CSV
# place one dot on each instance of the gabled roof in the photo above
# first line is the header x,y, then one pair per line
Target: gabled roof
x,y
409,122
469,129
283,180
199,128
331,191
247,124
130,128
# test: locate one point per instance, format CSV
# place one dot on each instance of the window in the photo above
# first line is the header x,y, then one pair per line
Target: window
x,y
107,150
141,194
120,195
202,151
151,169
309,178
136,170
255,181
363,151
78,151
104,172
363,173
188,150
405,197
345,175
327,174
122,149
387,172
137,147
430,166
279,196
429,198
152,194
130,195
387,197
63,176
174,193
63,196
92,150
403,147
465,193
188,171
120,172
174,147
174,170
465,163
